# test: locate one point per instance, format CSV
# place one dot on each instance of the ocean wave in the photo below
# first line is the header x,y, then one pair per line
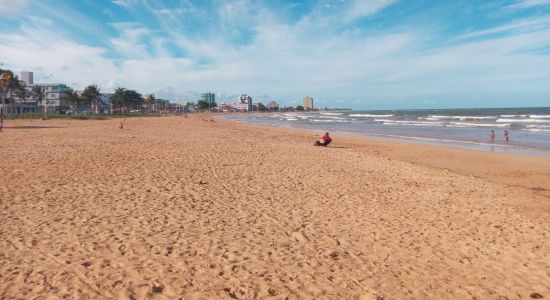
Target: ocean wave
x,y
462,118
411,123
514,116
538,126
522,121
331,114
291,119
370,116
537,129
464,124
332,117
539,116
324,121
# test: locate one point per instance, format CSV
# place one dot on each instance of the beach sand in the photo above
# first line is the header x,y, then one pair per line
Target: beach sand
x,y
179,208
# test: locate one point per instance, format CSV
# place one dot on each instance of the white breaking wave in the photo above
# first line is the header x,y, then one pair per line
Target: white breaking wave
x,y
410,123
464,124
539,116
514,116
331,114
462,118
522,121
370,116
325,121
537,129
538,126
292,119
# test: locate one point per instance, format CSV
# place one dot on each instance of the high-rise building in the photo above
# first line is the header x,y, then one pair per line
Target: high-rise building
x,y
244,102
308,103
27,77
210,98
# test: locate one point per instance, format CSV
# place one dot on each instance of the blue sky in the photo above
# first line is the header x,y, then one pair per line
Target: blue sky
x,y
372,54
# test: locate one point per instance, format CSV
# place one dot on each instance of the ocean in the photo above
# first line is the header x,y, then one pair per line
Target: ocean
x,y
529,128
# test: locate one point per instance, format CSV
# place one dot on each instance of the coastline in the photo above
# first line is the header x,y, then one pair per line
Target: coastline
x,y
178,207
512,169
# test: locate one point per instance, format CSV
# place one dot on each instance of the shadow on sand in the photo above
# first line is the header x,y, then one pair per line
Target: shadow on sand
x,y
30,127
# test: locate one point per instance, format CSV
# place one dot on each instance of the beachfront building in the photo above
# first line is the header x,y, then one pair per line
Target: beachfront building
x,y
225,107
244,103
272,105
209,97
51,97
27,77
308,103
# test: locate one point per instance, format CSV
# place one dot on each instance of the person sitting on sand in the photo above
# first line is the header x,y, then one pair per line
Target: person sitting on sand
x,y
324,141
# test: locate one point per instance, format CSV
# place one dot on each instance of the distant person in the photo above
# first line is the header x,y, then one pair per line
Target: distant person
x,y
506,136
324,141
492,136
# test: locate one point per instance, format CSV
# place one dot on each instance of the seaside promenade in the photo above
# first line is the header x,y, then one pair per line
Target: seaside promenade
x,y
179,208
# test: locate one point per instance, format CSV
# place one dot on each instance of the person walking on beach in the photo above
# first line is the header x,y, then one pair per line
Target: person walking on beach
x,y
324,141
506,135
492,136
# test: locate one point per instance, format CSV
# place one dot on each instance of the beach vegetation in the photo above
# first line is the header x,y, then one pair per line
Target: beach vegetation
x,y
38,92
71,96
203,104
123,100
91,95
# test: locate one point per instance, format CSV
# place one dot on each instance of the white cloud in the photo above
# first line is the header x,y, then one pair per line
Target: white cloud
x,y
125,3
528,3
364,8
524,25
10,7
286,60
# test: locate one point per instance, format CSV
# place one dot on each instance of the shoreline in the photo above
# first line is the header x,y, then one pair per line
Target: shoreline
x,y
457,144
511,169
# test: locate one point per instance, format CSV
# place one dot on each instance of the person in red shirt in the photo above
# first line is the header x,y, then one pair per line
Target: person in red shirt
x,y
324,141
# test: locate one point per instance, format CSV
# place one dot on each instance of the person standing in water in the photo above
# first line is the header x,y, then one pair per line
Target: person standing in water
x,y
506,137
492,136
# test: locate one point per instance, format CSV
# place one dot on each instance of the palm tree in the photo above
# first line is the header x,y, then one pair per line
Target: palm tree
x,y
150,100
71,96
39,93
91,95
21,92
6,84
118,98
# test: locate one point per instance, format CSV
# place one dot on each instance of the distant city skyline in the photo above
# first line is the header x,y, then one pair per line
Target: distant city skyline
x,y
378,54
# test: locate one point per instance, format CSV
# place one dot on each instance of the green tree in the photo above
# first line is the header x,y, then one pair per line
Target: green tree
x,y
151,101
91,95
39,94
204,104
21,93
117,99
6,85
299,108
71,96
133,99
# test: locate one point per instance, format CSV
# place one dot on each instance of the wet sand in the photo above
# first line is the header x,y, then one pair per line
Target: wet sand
x,y
171,208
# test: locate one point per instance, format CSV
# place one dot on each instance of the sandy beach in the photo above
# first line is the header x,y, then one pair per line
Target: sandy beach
x,y
180,208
